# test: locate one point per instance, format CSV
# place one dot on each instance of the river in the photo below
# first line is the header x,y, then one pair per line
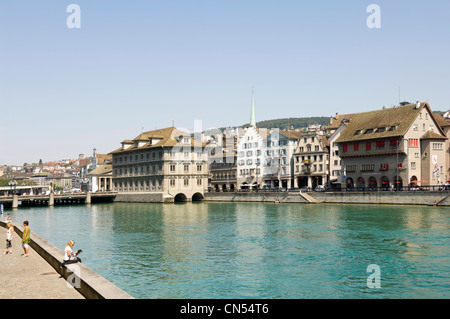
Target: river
x,y
256,250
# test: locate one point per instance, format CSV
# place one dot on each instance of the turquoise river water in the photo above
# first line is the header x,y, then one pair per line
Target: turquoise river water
x,y
256,250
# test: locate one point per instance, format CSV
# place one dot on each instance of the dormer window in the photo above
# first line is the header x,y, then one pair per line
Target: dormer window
x,y
392,128
369,131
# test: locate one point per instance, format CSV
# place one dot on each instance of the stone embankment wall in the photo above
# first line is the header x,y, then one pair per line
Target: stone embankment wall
x,y
405,198
139,198
256,197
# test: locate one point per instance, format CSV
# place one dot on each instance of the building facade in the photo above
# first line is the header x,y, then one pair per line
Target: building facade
x,y
163,165
311,158
391,148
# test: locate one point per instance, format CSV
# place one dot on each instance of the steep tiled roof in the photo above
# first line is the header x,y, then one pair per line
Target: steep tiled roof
x,y
430,135
167,137
383,123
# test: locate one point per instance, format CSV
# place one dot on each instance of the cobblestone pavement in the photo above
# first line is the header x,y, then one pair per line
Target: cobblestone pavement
x,y
30,277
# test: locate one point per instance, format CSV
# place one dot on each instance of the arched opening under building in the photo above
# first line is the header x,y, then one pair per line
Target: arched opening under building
x,y
197,197
224,187
350,183
232,188
398,183
384,183
372,183
216,187
180,198
361,183
413,180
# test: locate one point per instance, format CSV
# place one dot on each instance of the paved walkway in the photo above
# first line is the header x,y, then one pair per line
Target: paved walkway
x,y
30,277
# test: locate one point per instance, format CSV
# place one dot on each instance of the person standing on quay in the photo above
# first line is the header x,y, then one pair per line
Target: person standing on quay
x,y
9,234
26,239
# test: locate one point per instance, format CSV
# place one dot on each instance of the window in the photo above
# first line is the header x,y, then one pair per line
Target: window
x,y
413,142
356,147
368,131
413,165
368,146
199,168
199,182
394,143
367,167
380,144
186,167
172,168
172,182
344,147
186,182
392,128
415,127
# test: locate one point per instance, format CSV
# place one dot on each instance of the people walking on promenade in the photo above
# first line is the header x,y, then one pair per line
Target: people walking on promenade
x,y
26,239
9,234
70,257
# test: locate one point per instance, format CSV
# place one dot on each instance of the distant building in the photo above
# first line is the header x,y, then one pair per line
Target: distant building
x,y
393,147
279,159
251,155
444,123
311,158
163,165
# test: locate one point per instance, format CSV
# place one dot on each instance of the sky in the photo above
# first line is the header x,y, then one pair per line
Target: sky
x,y
139,65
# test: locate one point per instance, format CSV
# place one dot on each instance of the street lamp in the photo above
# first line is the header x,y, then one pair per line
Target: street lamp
x,y
11,184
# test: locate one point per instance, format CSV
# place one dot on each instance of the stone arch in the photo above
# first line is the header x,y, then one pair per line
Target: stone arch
x,y
197,197
384,183
180,198
350,183
372,182
361,183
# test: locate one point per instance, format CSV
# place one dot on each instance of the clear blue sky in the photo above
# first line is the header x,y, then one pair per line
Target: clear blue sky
x,y
137,64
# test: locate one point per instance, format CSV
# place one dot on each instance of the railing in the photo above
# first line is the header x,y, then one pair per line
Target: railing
x,y
441,188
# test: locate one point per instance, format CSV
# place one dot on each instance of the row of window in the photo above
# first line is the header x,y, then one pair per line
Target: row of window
x,y
301,149
378,145
151,185
314,168
153,155
152,169
280,152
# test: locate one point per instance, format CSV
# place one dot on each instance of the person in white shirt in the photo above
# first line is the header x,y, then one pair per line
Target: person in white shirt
x,y
9,234
70,257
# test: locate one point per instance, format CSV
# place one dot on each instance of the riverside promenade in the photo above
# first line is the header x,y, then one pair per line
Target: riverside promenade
x,y
30,277
38,276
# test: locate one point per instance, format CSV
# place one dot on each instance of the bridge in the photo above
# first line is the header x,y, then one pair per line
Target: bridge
x,y
52,199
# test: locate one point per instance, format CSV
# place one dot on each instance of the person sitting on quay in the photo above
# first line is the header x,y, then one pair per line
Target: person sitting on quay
x,y
70,257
